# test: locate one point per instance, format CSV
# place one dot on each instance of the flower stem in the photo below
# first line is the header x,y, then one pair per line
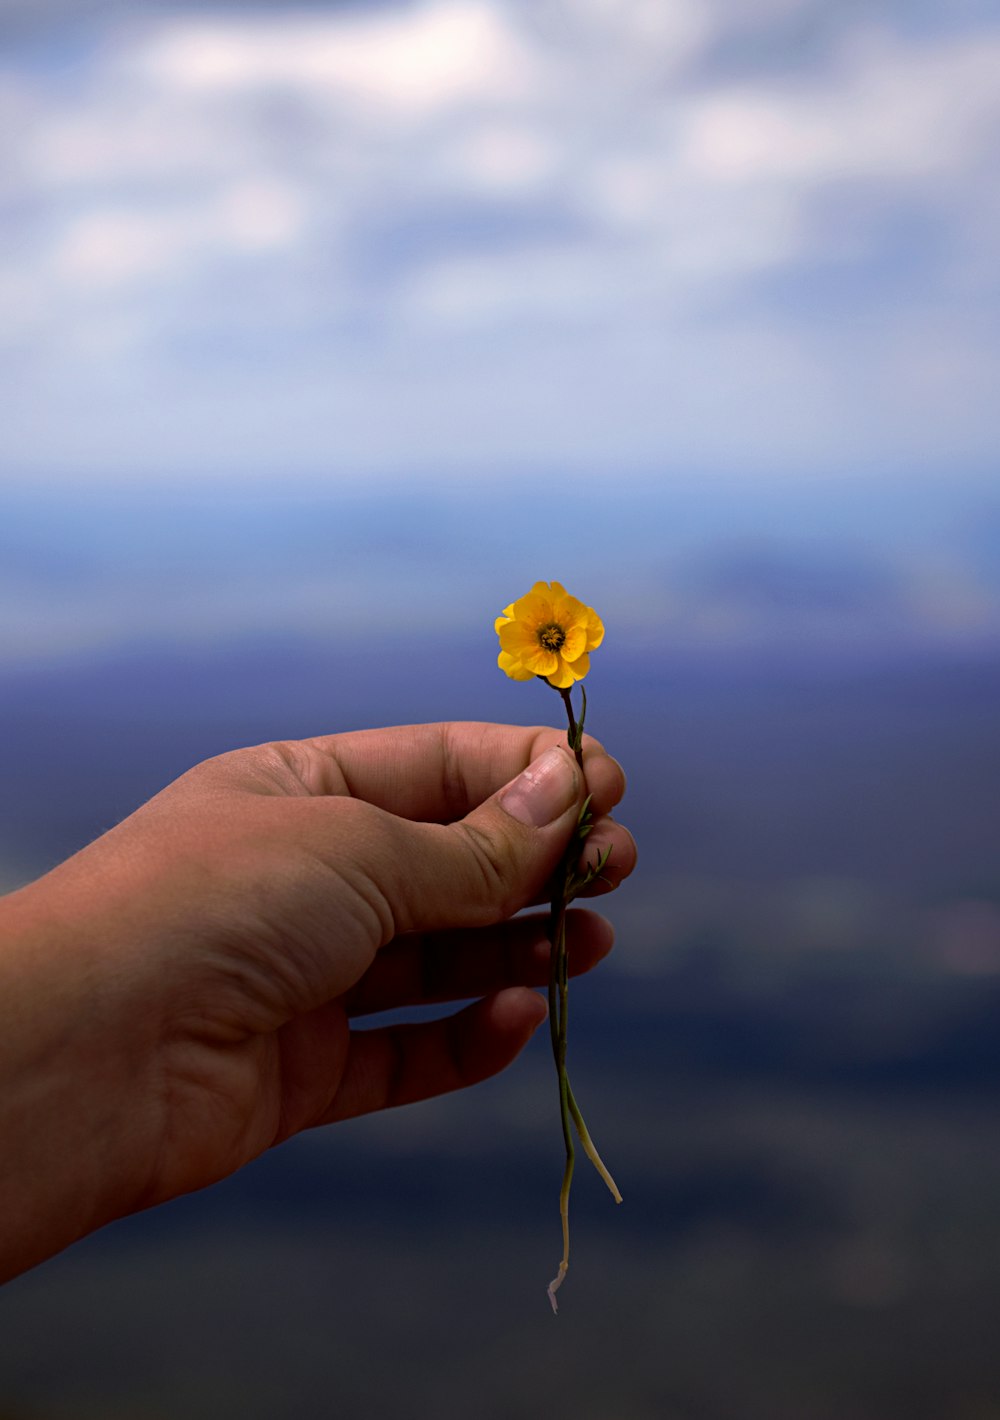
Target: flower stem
x,y
589,1147
569,1110
558,1000
575,735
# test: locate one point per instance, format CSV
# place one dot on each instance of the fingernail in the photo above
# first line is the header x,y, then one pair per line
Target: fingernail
x,y
544,791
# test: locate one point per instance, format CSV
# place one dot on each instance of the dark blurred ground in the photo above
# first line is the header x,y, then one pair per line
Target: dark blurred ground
x,y
792,1065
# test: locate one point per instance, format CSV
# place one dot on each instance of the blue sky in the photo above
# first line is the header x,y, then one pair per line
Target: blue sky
x,y
463,239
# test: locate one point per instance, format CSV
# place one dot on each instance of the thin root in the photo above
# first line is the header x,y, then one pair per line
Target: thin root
x,y
556,1283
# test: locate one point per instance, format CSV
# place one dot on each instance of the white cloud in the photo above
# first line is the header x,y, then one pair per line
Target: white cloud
x,y
107,247
411,62
885,110
501,158
496,206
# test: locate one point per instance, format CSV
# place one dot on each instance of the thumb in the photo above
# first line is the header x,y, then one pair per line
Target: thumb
x,y
496,860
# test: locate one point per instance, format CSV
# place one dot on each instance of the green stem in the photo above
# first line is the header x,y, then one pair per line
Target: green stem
x,y
569,1110
575,735
557,1024
589,1147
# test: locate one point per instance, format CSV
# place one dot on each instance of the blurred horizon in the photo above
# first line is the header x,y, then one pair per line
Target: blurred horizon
x,y
886,566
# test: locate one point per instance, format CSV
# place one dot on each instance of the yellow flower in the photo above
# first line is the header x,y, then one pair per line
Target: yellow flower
x,y
548,633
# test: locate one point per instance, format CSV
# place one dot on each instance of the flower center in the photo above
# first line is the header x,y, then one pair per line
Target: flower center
x,y
551,637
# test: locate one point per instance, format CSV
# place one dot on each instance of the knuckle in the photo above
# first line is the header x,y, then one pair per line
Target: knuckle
x,y
492,870
285,760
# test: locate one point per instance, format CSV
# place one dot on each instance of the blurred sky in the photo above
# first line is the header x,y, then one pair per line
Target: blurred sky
x,y
344,316
455,237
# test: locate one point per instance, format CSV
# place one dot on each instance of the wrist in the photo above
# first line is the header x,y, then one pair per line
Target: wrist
x,y
65,1087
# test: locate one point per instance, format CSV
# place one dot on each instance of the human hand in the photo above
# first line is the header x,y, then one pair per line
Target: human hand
x,y
180,992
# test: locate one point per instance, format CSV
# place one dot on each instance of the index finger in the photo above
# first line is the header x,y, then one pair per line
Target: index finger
x,y
438,773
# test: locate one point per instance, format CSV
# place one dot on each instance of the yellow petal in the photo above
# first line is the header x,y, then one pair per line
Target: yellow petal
x,y
506,615
595,630
511,666
575,643
562,678
580,666
517,637
569,672
535,609
539,661
568,610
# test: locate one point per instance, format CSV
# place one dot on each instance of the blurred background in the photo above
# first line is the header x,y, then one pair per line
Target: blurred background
x,y
325,330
